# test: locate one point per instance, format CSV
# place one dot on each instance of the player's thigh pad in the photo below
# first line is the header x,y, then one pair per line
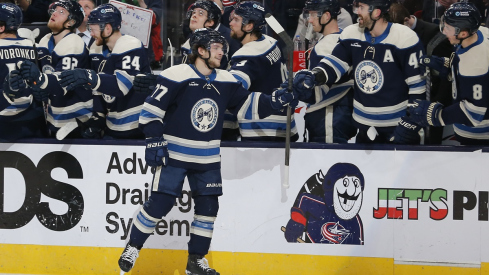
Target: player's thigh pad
x,y
205,182
169,180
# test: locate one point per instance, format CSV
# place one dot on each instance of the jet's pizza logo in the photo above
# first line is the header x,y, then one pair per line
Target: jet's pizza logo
x,y
38,181
327,206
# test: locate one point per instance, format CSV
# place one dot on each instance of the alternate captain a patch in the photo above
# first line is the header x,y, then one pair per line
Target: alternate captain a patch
x,y
204,115
369,77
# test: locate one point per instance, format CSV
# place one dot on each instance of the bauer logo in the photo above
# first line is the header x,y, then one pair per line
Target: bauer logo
x,y
38,182
204,115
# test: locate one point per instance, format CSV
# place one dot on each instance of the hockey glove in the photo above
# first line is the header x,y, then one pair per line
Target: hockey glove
x,y
293,231
144,83
425,113
92,128
406,132
72,79
13,84
281,98
440,64
304,83
30,72
156,151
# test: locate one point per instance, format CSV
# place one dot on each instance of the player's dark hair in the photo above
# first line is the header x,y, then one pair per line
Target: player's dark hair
x,y
194,54
3,24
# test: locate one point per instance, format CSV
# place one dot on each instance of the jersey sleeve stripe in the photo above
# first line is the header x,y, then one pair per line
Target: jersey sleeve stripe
x,y
474,113
124,81
242,77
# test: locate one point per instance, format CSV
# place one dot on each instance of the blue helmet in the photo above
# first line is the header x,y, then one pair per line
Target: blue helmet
x,y
462,16
74,9
205,37
251,12
322,6
106,14
213,10
11,14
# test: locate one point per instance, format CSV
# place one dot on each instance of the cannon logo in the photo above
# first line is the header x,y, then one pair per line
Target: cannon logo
x,y
38,181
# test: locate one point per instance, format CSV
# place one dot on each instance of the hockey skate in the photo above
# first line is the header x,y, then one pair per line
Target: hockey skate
x,y
128,257
198,265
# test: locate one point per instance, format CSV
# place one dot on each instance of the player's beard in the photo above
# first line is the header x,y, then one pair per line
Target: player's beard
x,y
55,26
234,35
366,22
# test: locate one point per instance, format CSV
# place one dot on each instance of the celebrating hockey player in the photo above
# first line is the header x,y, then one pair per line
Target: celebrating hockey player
x,y
117,58
58,51
259,66
383,57
20,116
182,121
328,118
469,67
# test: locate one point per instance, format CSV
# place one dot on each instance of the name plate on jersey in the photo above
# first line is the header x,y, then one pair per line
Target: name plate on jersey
x,y
136,21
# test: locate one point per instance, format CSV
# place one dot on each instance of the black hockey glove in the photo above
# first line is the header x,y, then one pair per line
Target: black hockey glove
x,y
425,113
30,72
144,83
156,151
92,128
281,98
406,132
439,64
72,79
13,84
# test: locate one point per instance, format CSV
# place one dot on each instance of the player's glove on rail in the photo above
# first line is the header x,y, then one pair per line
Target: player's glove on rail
x,y
439,64
304,83
72,79
30,72
156,151
13,84
425,113
281,98
144,83
406,132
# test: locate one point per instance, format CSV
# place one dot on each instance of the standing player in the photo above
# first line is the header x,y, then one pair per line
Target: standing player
x,y
117,58
328,118
259,66
470,72
58,51
182,121
383,57
20,116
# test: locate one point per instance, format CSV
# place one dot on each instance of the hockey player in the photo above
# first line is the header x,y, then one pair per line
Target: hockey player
x,y
20,116
117,58
384,60
58,51
259,66
207,14
182,121
328,118
470,72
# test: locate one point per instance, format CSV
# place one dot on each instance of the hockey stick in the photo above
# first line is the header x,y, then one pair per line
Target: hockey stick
x,y
299,240
277,28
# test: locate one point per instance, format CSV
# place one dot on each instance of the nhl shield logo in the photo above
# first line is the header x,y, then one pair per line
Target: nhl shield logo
x,y
204,115
369,77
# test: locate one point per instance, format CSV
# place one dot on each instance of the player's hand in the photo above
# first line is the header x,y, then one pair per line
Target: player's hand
x,y
92,128
156,151
440,64
72,79
13,84
144,83
406,132
30,72
304,82
293,230
281,98
425,113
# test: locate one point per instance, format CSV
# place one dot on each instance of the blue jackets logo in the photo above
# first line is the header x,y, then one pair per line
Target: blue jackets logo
x,y
204,115
369,77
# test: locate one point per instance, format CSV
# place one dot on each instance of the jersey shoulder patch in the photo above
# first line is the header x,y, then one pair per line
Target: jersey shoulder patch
x,y
71,44
126,43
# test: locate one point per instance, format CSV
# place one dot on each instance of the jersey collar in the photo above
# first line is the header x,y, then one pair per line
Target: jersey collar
x,y
208,78
480,39
380,38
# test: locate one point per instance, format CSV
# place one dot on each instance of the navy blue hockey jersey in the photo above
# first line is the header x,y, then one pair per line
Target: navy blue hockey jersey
x,y
64,106
116,71
385,70
470,90
187,108
260,67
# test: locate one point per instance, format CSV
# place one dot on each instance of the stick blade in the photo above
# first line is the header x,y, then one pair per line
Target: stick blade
x,y
274,24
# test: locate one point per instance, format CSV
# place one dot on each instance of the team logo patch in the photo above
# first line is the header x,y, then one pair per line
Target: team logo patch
x,y
369,77
204,115
334,232
108,98
48,69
